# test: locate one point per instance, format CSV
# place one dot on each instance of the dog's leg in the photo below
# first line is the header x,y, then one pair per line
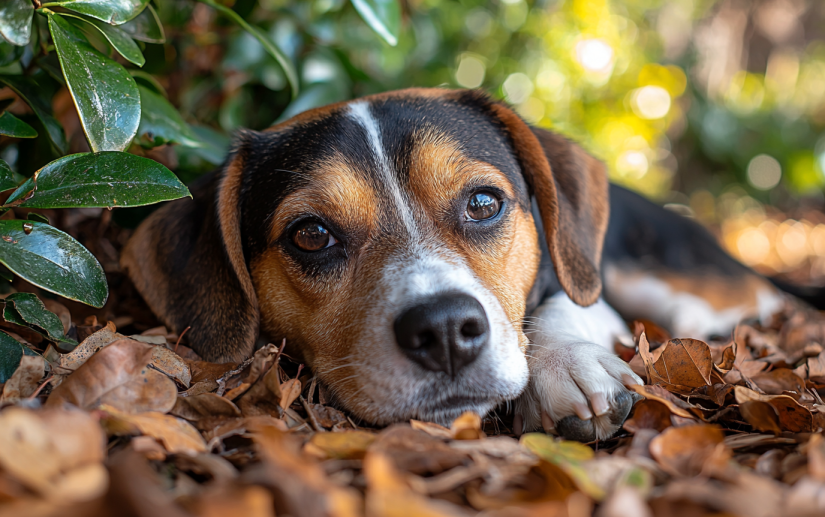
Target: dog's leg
x,y
576,381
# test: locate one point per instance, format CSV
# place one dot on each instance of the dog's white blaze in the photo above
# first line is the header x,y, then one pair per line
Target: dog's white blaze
x,y
360,112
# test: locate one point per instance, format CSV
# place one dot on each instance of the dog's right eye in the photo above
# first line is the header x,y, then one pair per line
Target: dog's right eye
x,y
312,236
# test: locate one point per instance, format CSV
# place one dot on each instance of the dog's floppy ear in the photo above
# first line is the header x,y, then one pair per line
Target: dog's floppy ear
x,y
187,261
571,190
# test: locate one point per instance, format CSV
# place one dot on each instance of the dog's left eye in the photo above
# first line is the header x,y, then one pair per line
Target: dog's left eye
x,y
312,236
483,205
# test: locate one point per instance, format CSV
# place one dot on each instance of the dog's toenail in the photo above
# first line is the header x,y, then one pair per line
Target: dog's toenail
x,y
628,380
547,422
582,411
599,403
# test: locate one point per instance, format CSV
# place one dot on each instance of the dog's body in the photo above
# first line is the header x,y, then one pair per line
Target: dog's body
x,y
398,242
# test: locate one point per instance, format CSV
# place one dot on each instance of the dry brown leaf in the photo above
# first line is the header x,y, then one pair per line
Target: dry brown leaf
x,y
304,488
439,431
204,405
816,368
118,375
467,427
343,446
57,453
328,417
203,371
242,426
389,495
685,363
778,381
727,358
25,379
246,501
290,391
176,435
816,457
690,450
87,348
676,405
171,364
649,414
416,451
264,396
791,416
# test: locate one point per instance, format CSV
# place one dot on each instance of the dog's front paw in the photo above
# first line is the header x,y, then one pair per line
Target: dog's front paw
x,y
576,388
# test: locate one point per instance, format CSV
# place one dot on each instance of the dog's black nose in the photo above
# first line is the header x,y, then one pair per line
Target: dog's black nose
x,y
444,333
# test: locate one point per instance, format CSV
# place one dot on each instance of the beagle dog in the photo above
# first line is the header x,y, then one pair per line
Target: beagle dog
x,y
427,253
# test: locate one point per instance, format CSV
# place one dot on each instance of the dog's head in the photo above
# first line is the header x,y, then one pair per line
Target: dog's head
x,y
390,240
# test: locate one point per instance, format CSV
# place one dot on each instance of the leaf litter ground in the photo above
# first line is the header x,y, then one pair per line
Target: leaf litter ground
x,y
137,424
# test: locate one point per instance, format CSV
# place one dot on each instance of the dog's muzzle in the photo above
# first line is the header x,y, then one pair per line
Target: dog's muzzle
x,y
444,332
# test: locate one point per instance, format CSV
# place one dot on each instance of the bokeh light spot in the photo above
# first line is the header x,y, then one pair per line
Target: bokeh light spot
x,y
595,55
470,72
753,246
517,88
764,172
650,102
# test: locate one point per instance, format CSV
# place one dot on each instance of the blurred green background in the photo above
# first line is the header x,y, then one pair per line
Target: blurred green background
x,y
716,108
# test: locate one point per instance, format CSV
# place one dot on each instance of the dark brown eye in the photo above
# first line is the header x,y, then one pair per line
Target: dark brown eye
x,y
482,205
312,236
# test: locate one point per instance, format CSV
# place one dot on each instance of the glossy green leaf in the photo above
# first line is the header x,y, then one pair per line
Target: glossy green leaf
x,y
383,16
11,351
34,216
160,122
9,53
271,47
113,12
120,40
31,91
106,96
105,179
145,27
14,127
16,21
52,260
7,181
27,310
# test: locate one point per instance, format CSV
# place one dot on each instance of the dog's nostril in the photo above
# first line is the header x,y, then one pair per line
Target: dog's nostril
x,y
444,332
472,329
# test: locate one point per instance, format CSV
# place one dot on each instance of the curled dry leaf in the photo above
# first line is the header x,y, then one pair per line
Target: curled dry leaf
x,y
467,427
439,431
25,379
790,415
204,405
345,445
118,375
171,364
290,391
676,405
649,414
63,465
685,363
416,451
690,450
87,348
176,435
778,381
568,456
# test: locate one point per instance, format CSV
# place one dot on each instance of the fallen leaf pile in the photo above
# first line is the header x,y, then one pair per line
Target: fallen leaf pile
x,y
141,426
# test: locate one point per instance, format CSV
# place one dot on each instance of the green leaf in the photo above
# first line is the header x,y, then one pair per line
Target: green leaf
x,y
34,216
384,16
105,179
27,310
146,27
14,127
9,53
16,21
113,12
120,40
31,91
106,96
271,48
160,122
6,177
568,456
11,351
52,260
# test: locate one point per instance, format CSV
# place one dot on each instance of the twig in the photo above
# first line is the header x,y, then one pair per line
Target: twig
x,y
42,385
181,337
222,381
312,420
